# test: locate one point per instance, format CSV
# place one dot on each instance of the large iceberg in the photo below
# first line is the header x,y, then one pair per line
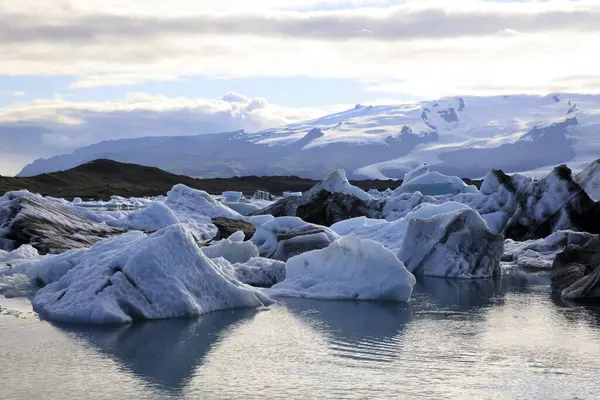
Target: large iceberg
x,y
553,203
164,275
350,268
457,244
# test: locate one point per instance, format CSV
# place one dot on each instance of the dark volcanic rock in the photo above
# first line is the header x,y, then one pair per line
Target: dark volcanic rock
x,y
335,199
100,179
49,227
576,271
227,227
327,202
554,203
327,208
285,207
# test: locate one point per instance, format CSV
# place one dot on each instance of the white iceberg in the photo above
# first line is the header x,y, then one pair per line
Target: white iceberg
x,y
350,268
336,182
152,218
164,275
23,253
232,196
232,249
191,205
418,171
456,244
433,184
391,234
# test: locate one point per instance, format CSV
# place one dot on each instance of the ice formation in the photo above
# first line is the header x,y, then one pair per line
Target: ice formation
x,y
285,237
336,182
456,244
391,234
233,249
433,184
540,253
164,275
349,268
589,180
191,205
152,218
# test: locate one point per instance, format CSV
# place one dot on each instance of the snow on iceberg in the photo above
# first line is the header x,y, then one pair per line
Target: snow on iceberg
x,y
164,275
233,249
350,268
589,180
433,184
420,170
336,182
284,237
23,253
152,218
191,205
457,244
391,234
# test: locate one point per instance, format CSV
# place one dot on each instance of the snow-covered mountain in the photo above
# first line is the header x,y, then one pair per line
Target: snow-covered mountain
x,y
464,136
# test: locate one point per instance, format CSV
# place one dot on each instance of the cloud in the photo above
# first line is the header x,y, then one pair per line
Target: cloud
x,y
53,126
438,47
124,79
411,20
13,94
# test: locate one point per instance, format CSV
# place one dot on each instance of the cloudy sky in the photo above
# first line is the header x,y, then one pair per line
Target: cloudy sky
x,y
75,72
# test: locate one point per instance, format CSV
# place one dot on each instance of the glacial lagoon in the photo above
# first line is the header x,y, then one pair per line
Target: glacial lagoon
x,y
481,339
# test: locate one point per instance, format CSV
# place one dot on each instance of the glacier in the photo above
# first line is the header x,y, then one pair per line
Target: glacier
x,y
457,136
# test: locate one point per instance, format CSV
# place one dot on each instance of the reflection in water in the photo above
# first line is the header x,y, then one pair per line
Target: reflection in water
x,y
508,339
362,330
164,353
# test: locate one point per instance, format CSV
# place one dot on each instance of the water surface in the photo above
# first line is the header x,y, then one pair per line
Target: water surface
x,y
454,340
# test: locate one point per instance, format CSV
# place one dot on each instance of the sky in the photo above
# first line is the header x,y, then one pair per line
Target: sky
x,y
76,72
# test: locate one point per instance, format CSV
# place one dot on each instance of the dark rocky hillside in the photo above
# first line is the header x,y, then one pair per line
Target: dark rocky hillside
x,y
100,179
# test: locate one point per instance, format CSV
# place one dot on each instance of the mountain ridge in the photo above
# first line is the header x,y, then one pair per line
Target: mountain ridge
x,y
100,179
462,136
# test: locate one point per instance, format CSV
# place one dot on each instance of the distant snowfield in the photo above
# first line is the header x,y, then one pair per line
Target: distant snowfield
x,y
461,136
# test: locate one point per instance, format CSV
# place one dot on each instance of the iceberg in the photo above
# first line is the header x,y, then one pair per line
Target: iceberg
x,y
191,205
152,218
391,234
589,180
233,249
284,237
456,244
433,184
350,268
164,275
